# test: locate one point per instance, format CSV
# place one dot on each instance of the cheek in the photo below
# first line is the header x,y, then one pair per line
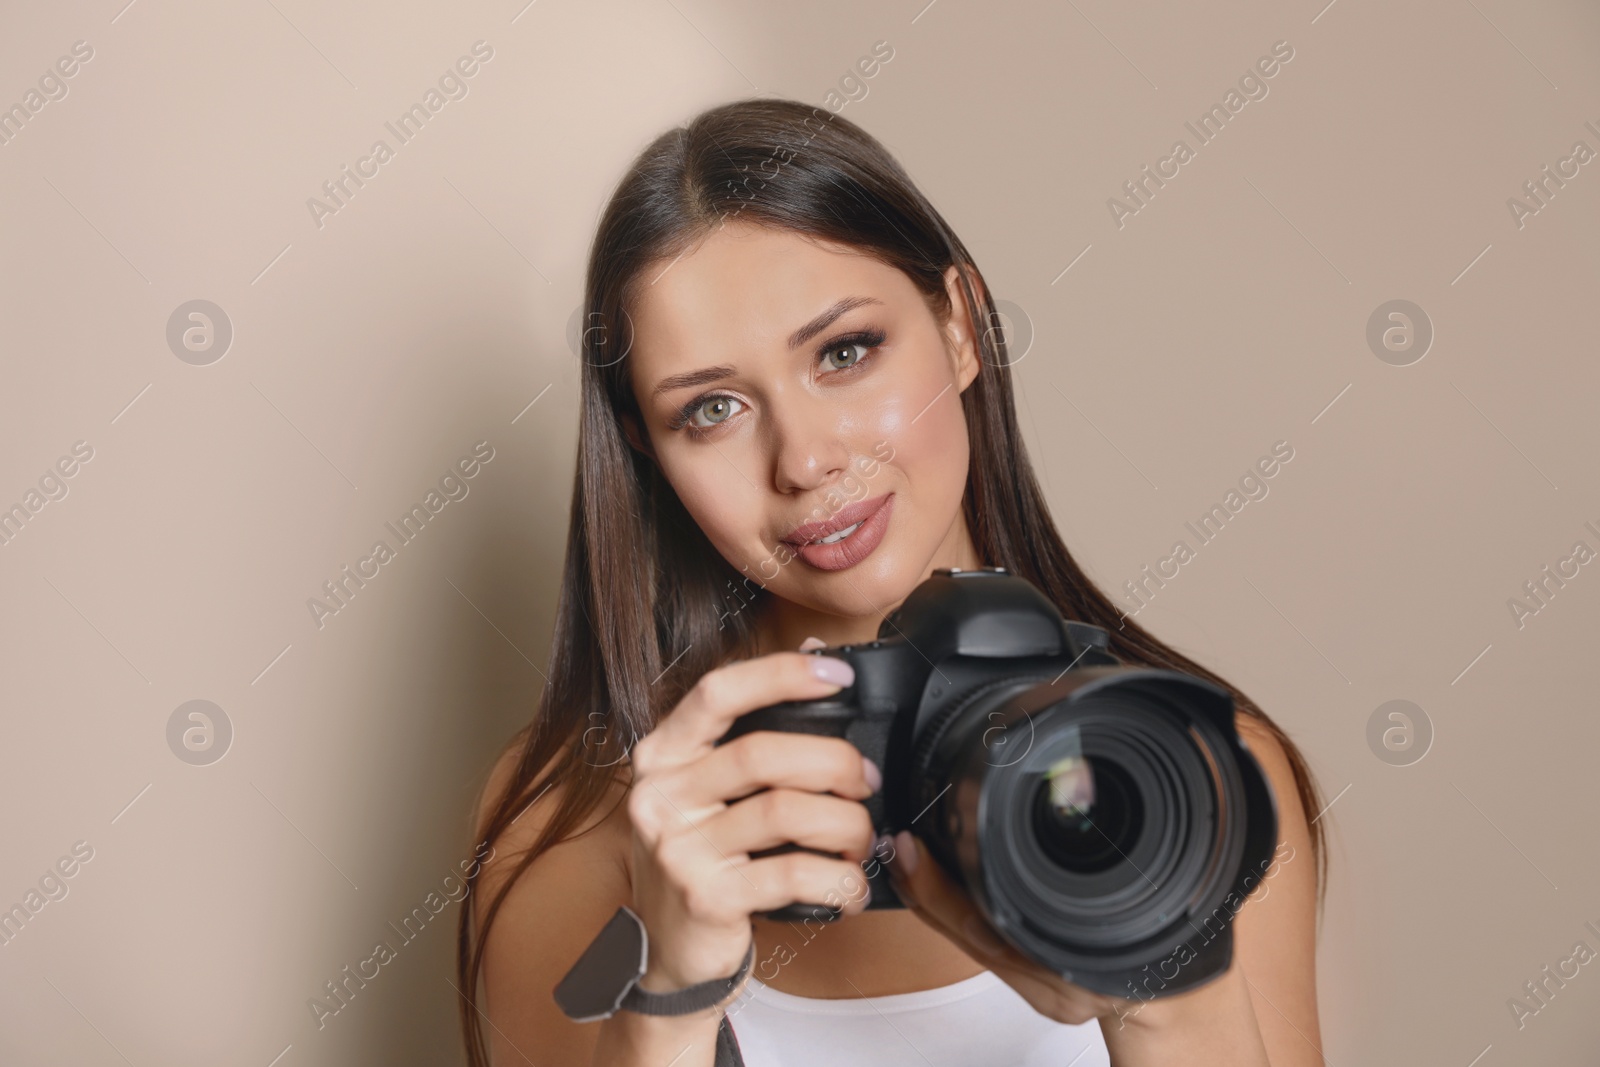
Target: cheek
x,y
943,447
930,443
719,501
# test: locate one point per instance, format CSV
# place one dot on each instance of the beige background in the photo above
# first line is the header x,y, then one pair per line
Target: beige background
x,y
372,352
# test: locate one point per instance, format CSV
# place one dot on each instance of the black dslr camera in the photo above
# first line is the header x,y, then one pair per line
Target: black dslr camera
x,y
1106,820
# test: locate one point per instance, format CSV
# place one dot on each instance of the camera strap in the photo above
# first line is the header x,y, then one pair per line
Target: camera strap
x,y
727,1046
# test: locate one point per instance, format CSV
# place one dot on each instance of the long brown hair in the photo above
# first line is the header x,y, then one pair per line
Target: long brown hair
x,y
647,605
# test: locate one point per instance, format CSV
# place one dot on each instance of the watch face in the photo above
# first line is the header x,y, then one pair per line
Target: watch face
x,y
608,968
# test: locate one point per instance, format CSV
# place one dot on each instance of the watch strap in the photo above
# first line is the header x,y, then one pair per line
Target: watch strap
x,y
695,998
605,979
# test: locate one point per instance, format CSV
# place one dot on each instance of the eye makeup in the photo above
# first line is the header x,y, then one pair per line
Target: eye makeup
x,y
870,339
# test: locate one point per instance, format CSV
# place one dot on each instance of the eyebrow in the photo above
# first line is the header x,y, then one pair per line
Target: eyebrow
x,y
707,375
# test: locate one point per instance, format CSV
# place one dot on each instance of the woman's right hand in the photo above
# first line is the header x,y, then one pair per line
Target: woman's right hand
x,y
694,883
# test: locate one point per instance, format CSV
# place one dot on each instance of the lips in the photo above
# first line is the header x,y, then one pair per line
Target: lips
x,y
859,535
843,519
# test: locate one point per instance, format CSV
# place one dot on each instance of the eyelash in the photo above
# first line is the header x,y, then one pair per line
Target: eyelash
x,y
869,339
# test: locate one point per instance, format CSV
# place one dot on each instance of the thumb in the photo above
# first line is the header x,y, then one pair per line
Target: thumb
x,y
919,878
925,887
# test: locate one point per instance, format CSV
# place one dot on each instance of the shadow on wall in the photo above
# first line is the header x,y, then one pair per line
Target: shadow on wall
x,y
461,671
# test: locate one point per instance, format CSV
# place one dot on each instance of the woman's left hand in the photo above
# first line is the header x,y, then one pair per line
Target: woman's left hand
x,y
925,888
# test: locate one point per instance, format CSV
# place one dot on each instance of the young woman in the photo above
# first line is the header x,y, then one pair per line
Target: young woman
x,y
786,342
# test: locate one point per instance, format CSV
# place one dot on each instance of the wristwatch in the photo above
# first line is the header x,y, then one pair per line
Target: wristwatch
x,y
605,979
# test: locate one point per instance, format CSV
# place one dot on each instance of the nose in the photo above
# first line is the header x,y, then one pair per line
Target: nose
x,y
809,451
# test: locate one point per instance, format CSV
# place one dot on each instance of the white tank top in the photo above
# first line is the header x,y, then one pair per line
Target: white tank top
x,y
978,1022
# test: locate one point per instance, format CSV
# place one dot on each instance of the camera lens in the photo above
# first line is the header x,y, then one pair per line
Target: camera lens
x,y
1116,816
1087,813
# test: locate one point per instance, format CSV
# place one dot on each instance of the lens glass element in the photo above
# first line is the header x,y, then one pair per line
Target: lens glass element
x,y
1087,813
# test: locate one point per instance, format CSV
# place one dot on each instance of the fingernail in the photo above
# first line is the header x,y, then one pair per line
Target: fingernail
x,y
905,852
832,670
812,642
874,776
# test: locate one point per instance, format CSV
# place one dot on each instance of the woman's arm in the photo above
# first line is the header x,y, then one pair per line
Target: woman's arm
x,y
676,845
1264,1009
543,927
545,923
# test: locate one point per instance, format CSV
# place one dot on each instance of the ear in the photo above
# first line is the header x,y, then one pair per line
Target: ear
x,y
636,437
961,335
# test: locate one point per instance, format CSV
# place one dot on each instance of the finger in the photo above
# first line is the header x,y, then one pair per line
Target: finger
x,y
780,816
930,892
798,878
721,890
769,759
722,695
812,642
950,912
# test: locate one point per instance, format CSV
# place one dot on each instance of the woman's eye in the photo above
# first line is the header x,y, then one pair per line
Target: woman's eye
x,y
839,356
714,409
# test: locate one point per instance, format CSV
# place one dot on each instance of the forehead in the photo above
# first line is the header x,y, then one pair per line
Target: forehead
x,y
745,286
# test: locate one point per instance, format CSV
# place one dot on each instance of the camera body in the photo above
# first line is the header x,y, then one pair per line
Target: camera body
x,y
1106,820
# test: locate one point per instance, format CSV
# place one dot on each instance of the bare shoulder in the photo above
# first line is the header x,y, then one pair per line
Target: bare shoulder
x,y
1294,828
551,910
1264,745
541,802
600,838
1276,927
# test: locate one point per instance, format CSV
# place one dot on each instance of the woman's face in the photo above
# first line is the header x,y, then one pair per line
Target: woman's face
x,y
783,383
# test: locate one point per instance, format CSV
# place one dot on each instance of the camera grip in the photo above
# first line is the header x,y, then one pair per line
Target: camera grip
x,y
830,718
